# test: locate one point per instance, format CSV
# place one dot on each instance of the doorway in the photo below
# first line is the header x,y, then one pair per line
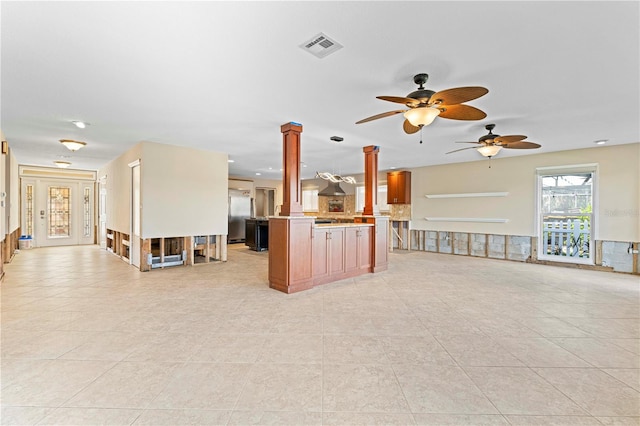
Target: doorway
x,y
566,221
134,240
57,212
265,202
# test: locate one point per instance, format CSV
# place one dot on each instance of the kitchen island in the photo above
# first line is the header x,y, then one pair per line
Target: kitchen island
x,y
303,254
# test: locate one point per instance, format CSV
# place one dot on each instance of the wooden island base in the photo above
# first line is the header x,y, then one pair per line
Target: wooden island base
x,y
303,254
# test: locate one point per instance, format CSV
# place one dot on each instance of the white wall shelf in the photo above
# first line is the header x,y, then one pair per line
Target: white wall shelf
x,y
466,219
469,195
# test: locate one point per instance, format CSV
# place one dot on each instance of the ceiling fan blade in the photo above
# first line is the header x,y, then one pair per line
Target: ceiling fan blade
x,y
461,149
509,139
400,100
409,128
382,115
521,145
462,112
457,95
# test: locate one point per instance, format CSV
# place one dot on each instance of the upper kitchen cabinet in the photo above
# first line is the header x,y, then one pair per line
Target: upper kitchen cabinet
x,y
399,187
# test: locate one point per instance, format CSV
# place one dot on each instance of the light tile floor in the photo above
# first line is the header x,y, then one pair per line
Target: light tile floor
x,y
435,340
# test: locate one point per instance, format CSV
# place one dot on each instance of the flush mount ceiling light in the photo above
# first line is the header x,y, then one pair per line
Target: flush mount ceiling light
x,y
80,124
72,145
62,164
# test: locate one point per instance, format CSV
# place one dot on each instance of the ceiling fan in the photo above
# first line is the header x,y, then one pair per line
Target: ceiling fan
x,y
491,144
425,105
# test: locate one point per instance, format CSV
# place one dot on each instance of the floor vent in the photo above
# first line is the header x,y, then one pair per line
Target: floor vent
x,y
321,45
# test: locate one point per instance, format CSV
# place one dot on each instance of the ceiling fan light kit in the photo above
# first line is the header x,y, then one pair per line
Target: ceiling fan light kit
x,y
489,150
422,116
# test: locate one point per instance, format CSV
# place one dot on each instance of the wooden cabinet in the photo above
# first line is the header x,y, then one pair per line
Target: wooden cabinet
x,y
358,257
328,254
290,253
399,187
341,252
302,254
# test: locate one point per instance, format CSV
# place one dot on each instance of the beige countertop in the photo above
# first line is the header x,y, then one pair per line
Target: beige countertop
x,y
341,225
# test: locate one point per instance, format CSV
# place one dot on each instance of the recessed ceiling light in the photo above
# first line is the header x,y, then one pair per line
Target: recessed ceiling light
x,y
601,141
80,124
231,161
392,168
62,164
258,174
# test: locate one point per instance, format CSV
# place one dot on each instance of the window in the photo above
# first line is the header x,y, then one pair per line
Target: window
x,y
86,209
29,210
565,208
310,200
382,198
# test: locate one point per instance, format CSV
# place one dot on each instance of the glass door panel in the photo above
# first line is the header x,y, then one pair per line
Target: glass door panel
x,y
59,214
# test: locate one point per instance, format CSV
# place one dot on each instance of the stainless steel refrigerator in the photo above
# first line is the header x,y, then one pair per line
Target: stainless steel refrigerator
x,y
239,209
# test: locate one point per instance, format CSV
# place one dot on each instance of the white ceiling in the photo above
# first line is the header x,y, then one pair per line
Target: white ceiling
x,y
224,76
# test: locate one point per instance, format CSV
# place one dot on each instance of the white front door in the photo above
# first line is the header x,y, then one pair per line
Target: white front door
x,y
58,212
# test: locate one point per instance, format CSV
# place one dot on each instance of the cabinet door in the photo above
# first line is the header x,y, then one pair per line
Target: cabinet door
x,y
365,251
352,251
399,187
336,251
320,253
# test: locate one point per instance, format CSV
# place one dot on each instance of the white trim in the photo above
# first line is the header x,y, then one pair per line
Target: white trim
x,y
568,168
25,171
466,219
468,195
134,163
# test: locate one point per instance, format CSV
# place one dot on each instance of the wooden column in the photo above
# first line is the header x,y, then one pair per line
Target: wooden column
x,y
371,212
371,180
291,188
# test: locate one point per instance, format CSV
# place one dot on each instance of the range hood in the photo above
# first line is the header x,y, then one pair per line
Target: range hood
x,y
332,190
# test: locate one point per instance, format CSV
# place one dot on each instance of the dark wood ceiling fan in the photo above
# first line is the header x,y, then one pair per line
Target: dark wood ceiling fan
x,y
490,144
425,105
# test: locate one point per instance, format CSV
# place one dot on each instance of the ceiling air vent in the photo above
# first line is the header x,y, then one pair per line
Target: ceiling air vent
x,y
321,45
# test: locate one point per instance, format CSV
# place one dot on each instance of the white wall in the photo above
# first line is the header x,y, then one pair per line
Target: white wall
x,y
9,193
13,191
184,191
3,192
617,191
118,186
